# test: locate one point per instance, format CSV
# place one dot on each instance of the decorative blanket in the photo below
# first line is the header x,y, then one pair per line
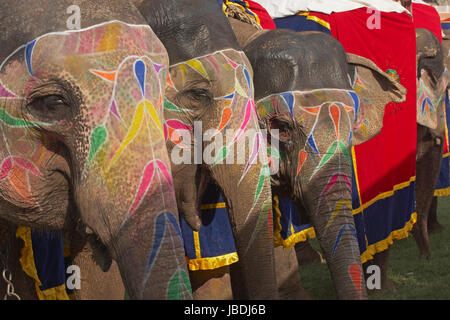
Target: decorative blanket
x,y
213,245
43,259
303,21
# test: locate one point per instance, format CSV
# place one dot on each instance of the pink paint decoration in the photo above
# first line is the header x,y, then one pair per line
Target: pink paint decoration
x,y
253,155
4,93
162,167
233,64
333,181
114,109
6,168
157,67
147,178
23,163
27,165
178,125
248,112
166,132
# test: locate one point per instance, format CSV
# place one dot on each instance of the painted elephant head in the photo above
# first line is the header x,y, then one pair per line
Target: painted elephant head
x,y
210,90
82,135
320,100
432,80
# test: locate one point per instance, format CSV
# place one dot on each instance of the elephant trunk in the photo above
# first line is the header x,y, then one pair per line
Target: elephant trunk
x,y
141,233
125,192
329,200
151,258
253,277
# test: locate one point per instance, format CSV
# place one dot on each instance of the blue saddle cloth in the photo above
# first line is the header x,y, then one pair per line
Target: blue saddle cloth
x,y
43,259
303,21
213,245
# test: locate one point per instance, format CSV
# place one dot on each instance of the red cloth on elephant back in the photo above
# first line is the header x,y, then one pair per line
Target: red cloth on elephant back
x,y
385,165
426,16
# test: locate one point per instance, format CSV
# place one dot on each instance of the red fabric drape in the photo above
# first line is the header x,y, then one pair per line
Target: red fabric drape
x,y
388,159
426,16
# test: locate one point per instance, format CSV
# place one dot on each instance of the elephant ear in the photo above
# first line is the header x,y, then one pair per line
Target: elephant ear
x,y
375,89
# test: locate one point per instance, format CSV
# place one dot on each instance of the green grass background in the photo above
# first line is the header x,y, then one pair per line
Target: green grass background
x,y
413,278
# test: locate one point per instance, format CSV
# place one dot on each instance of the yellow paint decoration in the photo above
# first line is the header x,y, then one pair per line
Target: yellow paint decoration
x,y
197,66
110,38
154,115
134,128
240,90
338,209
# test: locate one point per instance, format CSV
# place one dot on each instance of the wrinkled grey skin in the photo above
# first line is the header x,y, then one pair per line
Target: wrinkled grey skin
x,y
65,201
191,29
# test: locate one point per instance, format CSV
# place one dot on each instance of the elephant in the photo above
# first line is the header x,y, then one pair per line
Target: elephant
x,y
83,145
210,84
433,223
431,89
432,82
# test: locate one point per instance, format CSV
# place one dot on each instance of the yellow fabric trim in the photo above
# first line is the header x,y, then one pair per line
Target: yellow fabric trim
x,y
315,19
219,205
384,194
212,263
277,239
319,21
384,244
55,293
198,253
446,133
294,238
445,155
356,174
28,266
442,192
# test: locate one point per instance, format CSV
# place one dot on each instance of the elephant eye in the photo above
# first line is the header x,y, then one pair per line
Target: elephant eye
x,y
49,108
283,129
199,94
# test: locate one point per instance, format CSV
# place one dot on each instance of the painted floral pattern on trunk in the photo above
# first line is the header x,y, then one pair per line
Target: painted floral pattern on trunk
x,y
326,119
